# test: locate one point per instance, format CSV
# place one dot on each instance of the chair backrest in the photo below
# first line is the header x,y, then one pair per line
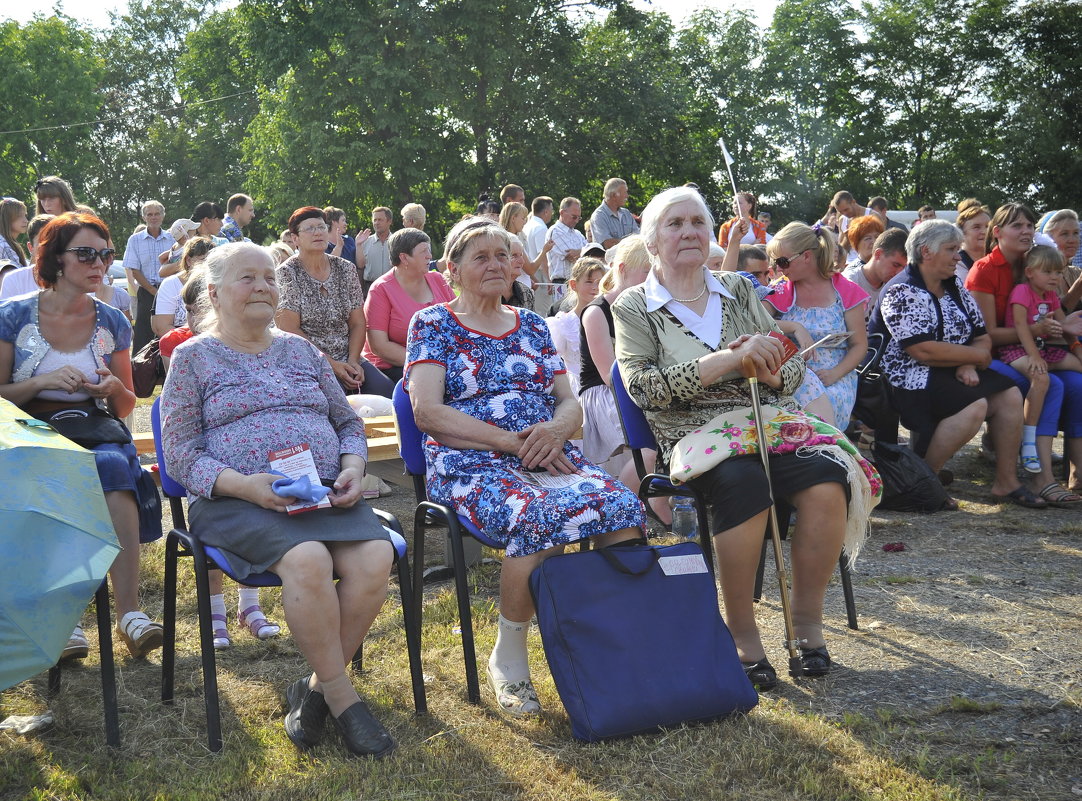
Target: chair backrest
x,y
637,431
410,437
869,365
169,485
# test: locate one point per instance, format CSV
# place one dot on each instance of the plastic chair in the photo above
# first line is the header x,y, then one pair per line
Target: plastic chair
x,y
102,607
433,515
639,436
181,542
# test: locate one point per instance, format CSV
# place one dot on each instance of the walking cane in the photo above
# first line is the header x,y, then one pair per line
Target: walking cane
x,y
747,368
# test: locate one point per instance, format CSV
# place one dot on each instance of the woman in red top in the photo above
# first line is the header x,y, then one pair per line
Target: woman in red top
x,y
748,207
990,281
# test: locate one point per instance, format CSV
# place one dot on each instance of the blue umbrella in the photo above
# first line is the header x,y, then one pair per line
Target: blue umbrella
x,y
56,542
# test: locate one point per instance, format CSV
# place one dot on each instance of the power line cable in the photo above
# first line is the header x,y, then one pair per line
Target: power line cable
x,y
122,116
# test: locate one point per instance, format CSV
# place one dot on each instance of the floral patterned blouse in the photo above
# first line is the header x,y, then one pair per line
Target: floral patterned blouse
x,y
324,306
222,408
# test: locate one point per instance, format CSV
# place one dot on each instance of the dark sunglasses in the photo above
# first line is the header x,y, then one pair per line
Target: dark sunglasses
x,y
783,262
87,255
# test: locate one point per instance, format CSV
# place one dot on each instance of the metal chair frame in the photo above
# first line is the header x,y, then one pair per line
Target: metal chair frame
x,y
638,434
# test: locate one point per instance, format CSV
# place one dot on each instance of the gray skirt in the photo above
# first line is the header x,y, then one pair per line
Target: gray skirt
x,y
253,538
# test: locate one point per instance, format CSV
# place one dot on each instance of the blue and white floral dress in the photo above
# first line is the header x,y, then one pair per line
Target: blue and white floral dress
x,y
507,381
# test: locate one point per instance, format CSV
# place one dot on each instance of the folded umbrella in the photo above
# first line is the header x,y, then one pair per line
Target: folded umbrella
x,y
56,542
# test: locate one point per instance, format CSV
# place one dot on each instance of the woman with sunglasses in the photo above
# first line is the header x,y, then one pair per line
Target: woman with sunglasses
x,y
320,300
62,349
814,301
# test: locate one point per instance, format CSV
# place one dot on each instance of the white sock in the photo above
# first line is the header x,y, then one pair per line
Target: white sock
x,y
217,605
509,660
247,596
1029,442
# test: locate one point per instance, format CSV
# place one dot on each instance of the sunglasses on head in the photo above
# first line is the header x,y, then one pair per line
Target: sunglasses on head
x,y
88,255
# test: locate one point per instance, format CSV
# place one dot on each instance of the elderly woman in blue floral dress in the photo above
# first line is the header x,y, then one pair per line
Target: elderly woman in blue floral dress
x,y
492,394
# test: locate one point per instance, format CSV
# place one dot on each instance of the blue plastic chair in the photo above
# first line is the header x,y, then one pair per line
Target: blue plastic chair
x,y
181,542
638,434
430,515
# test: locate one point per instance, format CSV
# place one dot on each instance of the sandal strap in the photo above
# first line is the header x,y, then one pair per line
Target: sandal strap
x,y
134,623
257,621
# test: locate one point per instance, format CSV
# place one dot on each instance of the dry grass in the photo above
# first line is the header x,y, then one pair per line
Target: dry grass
x,y
961,684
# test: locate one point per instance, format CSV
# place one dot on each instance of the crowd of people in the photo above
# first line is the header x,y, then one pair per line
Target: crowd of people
x,y
505,344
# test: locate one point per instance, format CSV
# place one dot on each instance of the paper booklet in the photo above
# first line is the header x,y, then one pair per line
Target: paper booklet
x,y
295,462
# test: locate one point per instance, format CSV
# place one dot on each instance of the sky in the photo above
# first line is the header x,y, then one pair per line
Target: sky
x,y
96,12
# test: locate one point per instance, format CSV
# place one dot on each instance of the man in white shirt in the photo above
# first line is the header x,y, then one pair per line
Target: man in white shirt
x,y
373,252
141,257
569,241
537,226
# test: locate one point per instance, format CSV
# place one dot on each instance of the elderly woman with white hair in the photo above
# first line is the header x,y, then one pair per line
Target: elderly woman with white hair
x,y
235,393
936,362
682,337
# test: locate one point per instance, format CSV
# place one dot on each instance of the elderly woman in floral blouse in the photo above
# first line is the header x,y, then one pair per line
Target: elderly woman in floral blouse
x,y
234,394
681,337
321,301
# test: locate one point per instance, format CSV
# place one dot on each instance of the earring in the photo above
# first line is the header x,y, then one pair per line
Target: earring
x,y
60,273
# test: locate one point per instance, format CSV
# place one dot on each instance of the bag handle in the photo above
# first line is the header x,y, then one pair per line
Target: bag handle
x,y
610,557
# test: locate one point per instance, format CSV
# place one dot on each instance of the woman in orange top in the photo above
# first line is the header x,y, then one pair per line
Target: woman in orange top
x,y
748,206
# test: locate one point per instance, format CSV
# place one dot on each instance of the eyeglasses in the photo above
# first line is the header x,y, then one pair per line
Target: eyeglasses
x,y
87,255
313,229
783,262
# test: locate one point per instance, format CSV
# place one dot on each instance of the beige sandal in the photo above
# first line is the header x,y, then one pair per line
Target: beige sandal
x,y
77,647
139,633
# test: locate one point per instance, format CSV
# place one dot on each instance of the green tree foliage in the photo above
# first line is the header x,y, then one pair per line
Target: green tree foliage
x,y
808,76
362,103
52,70
921,100
1038,105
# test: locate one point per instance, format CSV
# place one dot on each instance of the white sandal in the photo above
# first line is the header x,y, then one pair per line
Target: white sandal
x,y
139,633
516,698
77,647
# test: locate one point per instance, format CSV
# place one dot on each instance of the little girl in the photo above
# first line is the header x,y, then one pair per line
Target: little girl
x,y
1032,299
565,327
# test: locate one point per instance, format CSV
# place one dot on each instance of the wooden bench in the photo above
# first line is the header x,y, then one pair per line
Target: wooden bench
x,y
381,432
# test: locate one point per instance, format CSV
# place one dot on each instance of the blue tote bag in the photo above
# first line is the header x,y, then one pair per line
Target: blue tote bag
x,y
635,641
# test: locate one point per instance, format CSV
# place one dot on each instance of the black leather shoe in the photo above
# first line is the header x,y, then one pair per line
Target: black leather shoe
x,y
307,714
815,661
761,674
363,734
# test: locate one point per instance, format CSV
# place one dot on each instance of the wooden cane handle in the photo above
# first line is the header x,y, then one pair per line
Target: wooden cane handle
x,y
747,367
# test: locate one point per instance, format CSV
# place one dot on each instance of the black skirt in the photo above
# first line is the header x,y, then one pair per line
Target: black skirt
x,y
922,410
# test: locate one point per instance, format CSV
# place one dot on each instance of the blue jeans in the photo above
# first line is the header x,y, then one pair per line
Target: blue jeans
x,y
1062,406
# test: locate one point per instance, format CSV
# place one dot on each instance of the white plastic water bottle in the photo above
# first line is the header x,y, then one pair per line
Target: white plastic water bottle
x,y
685,519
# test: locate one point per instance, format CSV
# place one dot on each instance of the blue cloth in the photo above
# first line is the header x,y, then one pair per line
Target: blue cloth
x,y
300,488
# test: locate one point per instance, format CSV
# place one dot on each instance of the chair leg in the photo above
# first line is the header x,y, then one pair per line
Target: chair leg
x,y
420,533
206,649
357,662
413,637
465,616
54,681
108,669
169,622
847,591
